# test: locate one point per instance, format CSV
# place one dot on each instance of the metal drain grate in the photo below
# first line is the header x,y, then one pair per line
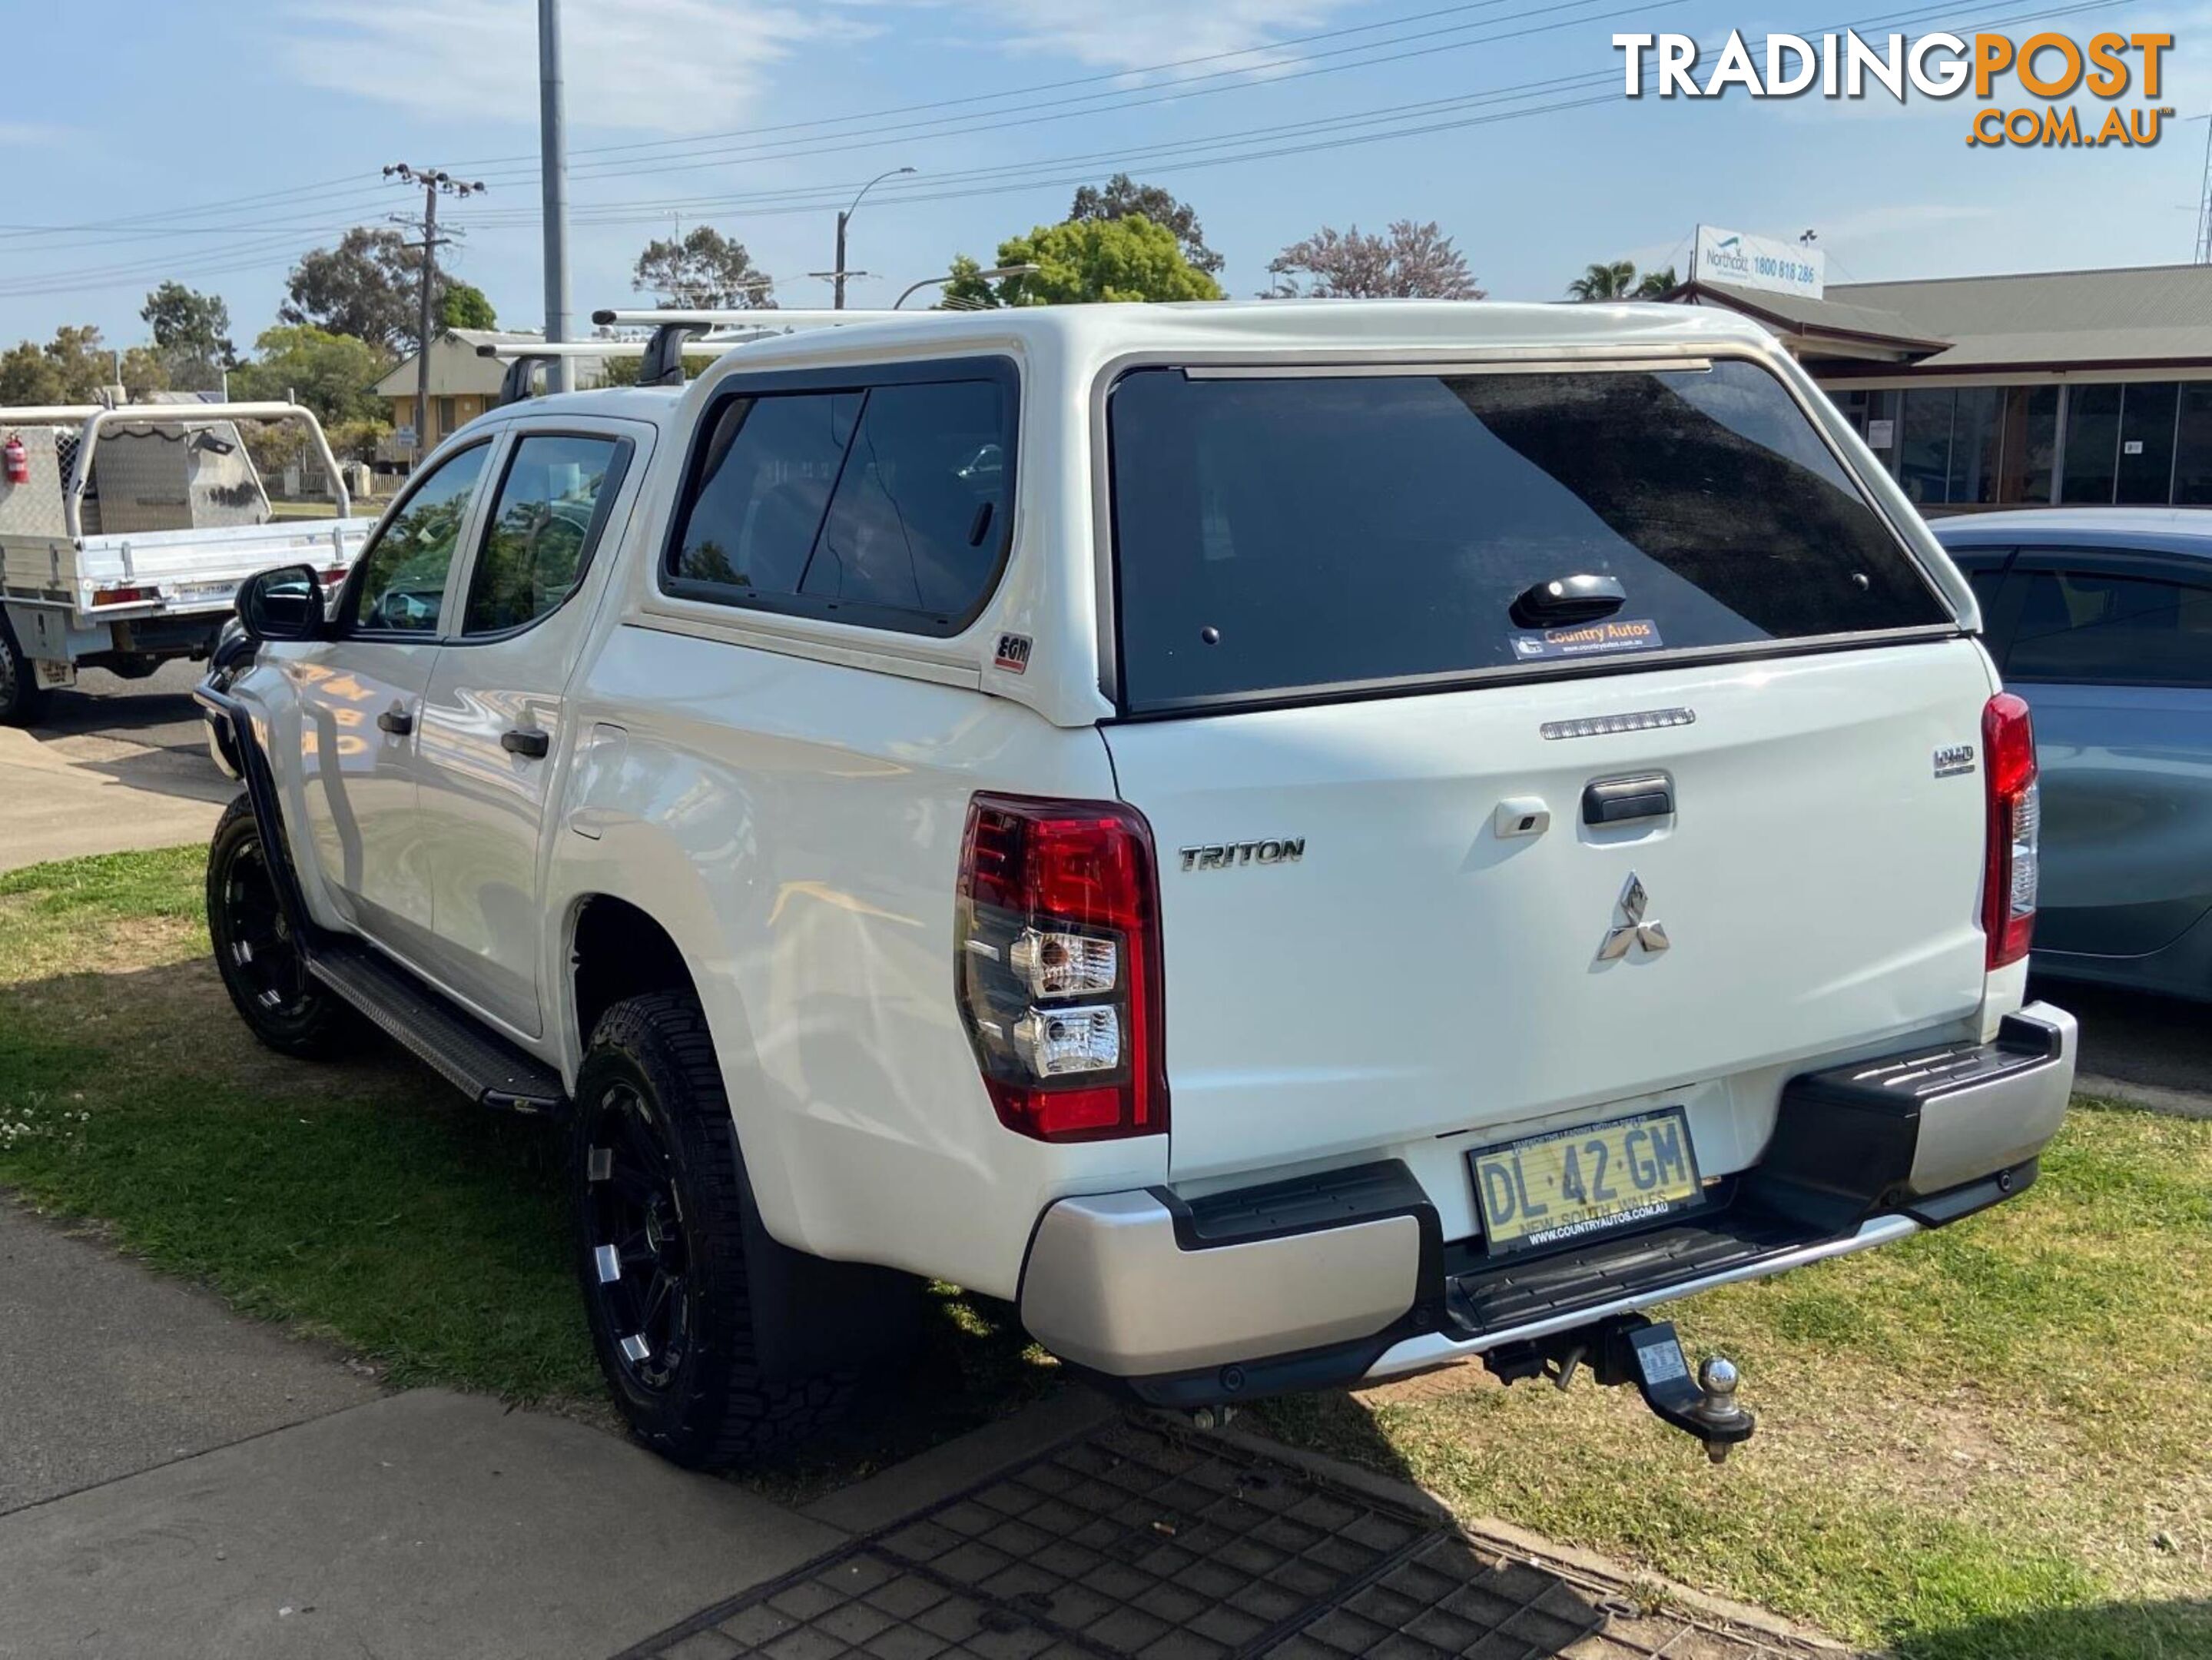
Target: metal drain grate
x,y
1139,1541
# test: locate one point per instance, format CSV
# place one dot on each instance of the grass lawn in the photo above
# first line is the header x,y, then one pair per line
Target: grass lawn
x,y
1993,1443
361,1202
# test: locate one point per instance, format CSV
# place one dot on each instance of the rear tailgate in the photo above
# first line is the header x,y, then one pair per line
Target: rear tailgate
x,y
1369,620
1414,973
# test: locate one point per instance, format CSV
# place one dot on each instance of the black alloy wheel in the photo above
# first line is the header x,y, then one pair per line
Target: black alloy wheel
x,y
261,962
635,1232
257,942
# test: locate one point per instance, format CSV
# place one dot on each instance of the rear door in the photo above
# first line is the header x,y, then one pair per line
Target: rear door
x,y
2113,651
493,726
1437,854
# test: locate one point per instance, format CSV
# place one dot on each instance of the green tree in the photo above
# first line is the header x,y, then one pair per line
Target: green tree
x,y
149,369
332,373
191,323
466,307
1613,280
704,270
1083,261
623,371
29,377
365,287
1121,197
1657,284
70,368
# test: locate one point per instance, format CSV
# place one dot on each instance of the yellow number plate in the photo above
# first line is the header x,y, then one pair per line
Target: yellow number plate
x,y
1560,1187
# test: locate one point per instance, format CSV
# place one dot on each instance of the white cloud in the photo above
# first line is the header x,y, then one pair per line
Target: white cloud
x,y
35,135
1135,33
655,65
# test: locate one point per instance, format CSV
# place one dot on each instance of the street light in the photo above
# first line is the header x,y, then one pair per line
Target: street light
x,y
993,275
838,275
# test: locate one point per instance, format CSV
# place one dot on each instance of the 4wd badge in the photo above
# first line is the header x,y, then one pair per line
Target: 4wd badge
x,y
1013,654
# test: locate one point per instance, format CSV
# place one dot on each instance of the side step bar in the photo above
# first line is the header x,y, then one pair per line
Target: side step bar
x,y
482,1065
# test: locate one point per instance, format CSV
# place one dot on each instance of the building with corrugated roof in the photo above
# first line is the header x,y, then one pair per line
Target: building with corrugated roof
x,y
2041,388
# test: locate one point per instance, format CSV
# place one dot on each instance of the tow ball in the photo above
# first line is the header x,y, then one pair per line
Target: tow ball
x,y
1631,1349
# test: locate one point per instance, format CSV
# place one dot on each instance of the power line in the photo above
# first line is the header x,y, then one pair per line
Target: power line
x,y
1017,92
267,197
932,188
1179,156
1030,115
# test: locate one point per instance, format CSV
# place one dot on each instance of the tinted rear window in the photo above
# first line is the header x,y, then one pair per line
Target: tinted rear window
x,y
1275,535
885,503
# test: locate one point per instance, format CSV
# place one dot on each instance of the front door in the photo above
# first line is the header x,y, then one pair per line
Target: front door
x,y
494,737
359,699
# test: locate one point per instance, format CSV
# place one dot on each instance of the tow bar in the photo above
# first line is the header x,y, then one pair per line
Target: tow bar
x,y
1631,1349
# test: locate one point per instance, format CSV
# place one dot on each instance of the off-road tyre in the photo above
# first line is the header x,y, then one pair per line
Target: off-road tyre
x,y
262,968
22,699
707,1378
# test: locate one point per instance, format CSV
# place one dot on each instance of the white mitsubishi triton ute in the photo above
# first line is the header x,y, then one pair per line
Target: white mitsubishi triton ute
x,y
1293,842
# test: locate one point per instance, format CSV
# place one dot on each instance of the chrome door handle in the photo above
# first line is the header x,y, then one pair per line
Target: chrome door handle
x,y
396,721
526,741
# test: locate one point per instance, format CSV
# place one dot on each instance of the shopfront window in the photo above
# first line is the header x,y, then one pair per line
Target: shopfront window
x,y
1873,416
2192,447
1977,423
2143,443
2031,441
1923,455
2146,465
2093,442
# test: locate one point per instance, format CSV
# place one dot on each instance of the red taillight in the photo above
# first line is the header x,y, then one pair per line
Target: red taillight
x,y
1058,970
2010,872
132,596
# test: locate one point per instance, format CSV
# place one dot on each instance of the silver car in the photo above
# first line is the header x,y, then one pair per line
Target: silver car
x,y
2101,618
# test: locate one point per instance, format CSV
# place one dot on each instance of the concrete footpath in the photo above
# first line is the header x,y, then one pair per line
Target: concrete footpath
x,y
178,1482
119,766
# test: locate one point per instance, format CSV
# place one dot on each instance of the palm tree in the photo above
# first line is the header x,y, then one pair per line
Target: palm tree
x,y
1656,284
1609,281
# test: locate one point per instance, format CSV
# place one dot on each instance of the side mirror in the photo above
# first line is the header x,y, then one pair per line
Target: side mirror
x,y
284,604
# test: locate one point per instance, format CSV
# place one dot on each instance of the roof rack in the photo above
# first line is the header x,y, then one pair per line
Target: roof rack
x,y
673,328
524,358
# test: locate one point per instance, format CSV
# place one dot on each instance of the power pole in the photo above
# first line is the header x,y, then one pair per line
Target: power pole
x,y
435,183
837,276
2204,203
553,166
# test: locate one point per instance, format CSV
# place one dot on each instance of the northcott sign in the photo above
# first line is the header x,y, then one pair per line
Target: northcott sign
x,y
1757,262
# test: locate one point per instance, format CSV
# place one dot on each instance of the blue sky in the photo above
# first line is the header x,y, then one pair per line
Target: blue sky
x,y
215,143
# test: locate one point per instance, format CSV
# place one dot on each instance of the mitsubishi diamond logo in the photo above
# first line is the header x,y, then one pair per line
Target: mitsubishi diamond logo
x,y
1629,929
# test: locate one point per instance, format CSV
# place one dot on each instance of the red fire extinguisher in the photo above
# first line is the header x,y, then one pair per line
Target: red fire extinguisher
x,y
14,460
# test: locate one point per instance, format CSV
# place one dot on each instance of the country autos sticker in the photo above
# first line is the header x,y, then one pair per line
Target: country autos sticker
x,y
1585,639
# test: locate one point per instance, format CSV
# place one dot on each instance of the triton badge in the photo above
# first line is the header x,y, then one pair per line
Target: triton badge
x,y
1630,930
1227,855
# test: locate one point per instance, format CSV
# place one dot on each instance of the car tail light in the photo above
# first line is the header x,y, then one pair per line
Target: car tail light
x,y
128,596
2010,875
1058,975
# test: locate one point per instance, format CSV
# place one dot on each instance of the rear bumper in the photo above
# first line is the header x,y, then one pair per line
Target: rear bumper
x,y
1326,1280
